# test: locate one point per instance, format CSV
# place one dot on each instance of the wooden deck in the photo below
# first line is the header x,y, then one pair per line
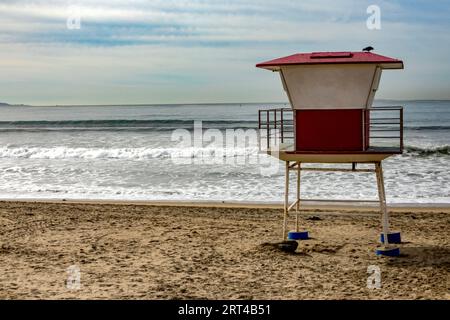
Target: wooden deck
x,y
375,154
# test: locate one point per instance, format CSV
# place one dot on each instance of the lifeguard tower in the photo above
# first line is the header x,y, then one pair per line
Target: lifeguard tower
x,y
331,120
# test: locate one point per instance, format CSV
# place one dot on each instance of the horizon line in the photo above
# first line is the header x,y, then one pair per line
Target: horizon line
x,y
181,104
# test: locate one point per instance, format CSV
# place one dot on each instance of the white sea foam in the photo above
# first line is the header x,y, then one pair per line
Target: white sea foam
x,y
63,152
120,153
149,174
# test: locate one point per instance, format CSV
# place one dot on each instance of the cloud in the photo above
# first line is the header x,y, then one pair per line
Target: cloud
x,y
144,22
197,50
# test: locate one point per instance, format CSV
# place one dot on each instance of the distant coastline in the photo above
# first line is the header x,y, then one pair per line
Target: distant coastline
x,y
4,104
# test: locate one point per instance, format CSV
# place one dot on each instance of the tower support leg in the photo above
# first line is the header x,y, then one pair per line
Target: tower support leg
x,y
388,249
296,234
382,199
286,201
297,208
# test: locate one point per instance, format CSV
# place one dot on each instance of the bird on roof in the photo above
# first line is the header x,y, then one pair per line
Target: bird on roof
x,y
368,49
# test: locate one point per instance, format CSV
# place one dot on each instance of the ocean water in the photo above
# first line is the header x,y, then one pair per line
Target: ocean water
x,y
153,153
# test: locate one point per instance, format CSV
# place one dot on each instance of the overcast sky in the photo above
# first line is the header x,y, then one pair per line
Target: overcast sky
x,y
192,51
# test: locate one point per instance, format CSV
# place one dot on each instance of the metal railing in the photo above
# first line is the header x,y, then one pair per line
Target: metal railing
x,y
386,128
276,126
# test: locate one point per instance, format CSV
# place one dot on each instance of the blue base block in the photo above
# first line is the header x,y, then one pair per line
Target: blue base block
x,y
393,237
298,235
388,252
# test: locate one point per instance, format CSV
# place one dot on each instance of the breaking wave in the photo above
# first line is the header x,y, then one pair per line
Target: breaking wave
x,y
440,150
124,124
121,153
141,153
427,128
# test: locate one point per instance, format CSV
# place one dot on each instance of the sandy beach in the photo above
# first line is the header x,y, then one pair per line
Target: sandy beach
x,y
139,251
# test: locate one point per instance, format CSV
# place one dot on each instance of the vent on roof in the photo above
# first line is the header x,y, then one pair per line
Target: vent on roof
x,y
334,55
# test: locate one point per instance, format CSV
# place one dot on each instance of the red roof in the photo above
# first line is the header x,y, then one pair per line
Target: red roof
x,y
329,58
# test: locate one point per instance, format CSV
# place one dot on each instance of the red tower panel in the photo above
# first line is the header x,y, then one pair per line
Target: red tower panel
x,y
366,128
331,130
